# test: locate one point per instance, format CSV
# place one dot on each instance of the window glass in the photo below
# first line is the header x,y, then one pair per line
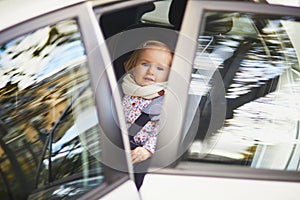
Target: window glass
x,y
49,126
245,83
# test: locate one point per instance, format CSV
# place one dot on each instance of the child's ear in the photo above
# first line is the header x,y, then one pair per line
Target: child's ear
x,y
126,65
132,72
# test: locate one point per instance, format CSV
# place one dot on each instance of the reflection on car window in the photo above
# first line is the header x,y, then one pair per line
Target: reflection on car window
x,y
48,110
256,64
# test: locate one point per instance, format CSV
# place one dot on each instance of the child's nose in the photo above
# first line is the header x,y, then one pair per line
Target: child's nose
x,y
151,69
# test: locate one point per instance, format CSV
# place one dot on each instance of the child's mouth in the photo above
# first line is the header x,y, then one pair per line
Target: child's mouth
x,y
148,79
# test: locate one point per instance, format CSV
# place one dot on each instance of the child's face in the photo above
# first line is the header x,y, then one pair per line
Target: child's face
x,y
153,66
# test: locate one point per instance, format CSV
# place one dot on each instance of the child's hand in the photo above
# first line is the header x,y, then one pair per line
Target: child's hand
x,y
140,154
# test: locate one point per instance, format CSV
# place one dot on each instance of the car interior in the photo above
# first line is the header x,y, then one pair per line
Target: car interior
x,y
130,21
132,30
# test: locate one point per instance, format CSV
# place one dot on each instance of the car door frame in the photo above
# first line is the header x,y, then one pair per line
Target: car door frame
x,y
176,100
98,63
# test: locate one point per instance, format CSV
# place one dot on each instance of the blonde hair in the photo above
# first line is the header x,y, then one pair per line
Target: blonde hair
x,y
149,44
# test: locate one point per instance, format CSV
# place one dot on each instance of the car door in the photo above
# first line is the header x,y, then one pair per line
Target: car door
x,y
61,124
233,98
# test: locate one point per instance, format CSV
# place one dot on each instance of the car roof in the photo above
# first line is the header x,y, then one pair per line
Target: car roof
x,y
17,11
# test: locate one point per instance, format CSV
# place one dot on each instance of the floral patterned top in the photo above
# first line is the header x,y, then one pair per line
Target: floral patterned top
x,y
133,107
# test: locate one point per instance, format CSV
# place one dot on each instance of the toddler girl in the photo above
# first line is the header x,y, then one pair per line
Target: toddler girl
x,y
147,72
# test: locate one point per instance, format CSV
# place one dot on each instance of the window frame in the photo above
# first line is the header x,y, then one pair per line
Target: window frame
x,y
169,150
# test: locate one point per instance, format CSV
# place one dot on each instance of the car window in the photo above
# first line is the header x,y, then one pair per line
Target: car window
x,y
49,124
244,92
74,131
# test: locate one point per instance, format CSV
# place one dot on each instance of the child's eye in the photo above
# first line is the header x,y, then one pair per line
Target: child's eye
x,y
160,68
145,64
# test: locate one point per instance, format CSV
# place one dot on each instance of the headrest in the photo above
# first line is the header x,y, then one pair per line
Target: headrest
x,y
215,23
115,22
176,12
